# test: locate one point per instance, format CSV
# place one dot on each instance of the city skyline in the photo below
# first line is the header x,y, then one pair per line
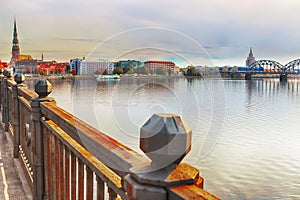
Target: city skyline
x,y
63,30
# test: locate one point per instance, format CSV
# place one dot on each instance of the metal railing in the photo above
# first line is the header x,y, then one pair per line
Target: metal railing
x,y
65,158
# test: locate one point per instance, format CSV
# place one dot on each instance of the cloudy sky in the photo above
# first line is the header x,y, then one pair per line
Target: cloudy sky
x,y
223,30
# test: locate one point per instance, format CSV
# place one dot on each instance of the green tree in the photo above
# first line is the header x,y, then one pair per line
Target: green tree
x,y
104,72
141,70
118,70
128,70
182,71
191,71
67,67
160,71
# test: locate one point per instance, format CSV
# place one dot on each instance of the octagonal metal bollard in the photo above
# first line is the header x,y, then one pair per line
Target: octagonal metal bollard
x,y
19,78
165,139
43,88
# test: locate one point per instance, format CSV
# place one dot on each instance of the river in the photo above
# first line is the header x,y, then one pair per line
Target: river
x,y
246,134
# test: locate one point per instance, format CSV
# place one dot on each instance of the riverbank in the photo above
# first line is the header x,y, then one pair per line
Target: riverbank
x,y
59,77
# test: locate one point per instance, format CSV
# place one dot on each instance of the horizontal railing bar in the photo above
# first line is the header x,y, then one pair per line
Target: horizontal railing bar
x,y
190,192
10,82
25,102
112,179
26,93
112,152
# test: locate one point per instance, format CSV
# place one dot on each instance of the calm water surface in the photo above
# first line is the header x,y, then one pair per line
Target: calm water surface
x,y
246,134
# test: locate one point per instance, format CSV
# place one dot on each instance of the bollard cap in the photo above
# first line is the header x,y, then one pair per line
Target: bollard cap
x,y
43,88
9,73
5,72
19,78
165,139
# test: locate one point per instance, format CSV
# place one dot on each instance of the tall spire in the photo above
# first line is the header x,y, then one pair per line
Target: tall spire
x,y
250,58
15,48
250,53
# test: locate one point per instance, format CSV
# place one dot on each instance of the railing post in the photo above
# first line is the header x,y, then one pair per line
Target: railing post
x,y
19,79
1,80
5,112
43,88
165,139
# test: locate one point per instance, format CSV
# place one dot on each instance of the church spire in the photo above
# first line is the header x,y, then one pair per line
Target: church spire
x,y
15,48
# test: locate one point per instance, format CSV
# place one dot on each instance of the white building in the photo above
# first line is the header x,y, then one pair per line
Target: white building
x,y
88,67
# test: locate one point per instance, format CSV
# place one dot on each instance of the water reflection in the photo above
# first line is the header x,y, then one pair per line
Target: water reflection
x,y
258,149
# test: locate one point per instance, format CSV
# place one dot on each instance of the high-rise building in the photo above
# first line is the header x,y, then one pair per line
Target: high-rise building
x,y
250,58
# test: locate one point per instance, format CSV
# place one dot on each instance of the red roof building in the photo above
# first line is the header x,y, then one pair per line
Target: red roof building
x,y
50,67
3,65
153,65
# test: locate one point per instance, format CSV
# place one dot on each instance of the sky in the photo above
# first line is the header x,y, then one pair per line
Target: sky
x,y
200,32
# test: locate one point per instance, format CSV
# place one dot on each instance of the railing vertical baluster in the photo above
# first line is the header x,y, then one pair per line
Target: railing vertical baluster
x,y
73,176
49,166
52,169
112,194
89,183
80,180
61,167
46,162
100,189
67,173
57,167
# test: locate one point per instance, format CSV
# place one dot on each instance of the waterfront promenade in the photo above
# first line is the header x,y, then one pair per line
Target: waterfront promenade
x,y
12,183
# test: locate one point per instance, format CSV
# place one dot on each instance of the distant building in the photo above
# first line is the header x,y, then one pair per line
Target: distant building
x,y
50,67
3,65
129,63
98,67
250,58
19,62
75,65
153,65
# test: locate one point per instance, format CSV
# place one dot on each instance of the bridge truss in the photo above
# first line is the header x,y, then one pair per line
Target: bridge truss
x,y
266,66
293,66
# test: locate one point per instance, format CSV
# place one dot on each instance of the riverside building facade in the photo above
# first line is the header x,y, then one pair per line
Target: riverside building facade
x,y
153,65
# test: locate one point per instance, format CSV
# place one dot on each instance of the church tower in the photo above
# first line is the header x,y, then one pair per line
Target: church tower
x,y
15,48
250,58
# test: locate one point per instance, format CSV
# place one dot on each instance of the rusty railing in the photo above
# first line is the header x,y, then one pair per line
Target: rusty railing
x,y
65,158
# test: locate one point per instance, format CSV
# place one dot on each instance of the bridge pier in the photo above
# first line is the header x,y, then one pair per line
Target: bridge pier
x,y
248,76
283,77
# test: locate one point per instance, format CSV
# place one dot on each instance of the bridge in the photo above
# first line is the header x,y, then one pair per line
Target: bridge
x,y
273,67
62,157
